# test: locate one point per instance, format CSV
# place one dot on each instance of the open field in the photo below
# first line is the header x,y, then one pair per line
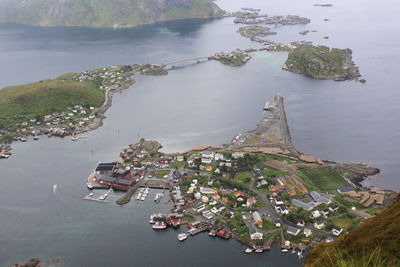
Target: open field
x,y
324,179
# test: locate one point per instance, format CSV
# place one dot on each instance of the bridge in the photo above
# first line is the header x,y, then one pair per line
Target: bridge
x,y
185,62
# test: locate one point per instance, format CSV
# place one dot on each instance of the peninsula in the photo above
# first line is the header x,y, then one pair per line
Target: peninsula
x,y
258,189
104,13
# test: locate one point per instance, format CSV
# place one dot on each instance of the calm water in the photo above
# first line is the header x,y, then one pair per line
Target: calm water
x,y
204,104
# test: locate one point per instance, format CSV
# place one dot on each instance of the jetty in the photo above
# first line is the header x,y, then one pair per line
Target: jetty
x,y
198,230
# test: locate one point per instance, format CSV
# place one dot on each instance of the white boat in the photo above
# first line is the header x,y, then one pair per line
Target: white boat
x,y
159,226
182,237
293,251
192,230
248,250
36,137
139,196
103,197
89,186
158,197
91,194
143,197
74,138
284,250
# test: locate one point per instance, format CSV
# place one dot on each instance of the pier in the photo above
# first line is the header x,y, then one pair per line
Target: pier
x,y
159,184
199,230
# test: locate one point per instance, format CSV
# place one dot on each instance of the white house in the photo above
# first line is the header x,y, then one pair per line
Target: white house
x,y
257,217
293,231
336,231
254,234
319,224
307,232
315,214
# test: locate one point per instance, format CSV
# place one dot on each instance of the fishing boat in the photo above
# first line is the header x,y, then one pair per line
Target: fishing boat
x,y
248,250
159,226
182,237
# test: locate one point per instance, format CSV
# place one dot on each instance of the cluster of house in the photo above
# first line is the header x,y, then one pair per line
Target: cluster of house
x,y
279,205
254,18
365,198
176,195
5,151
112,77
56,123
234,56
207,158
115,175
209,196
288,184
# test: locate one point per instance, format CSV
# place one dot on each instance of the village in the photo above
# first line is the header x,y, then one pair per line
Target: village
x,y
264,197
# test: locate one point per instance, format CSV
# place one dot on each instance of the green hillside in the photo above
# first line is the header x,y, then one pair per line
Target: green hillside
x,y
108,13
30,101
374,243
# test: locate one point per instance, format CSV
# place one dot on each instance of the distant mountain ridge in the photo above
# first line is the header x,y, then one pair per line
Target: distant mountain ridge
x,y
103,13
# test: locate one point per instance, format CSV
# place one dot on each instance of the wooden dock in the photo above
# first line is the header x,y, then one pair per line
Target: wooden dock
x,y
156,184
198,231
95,199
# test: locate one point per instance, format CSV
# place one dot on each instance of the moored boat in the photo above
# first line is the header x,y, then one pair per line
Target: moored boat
x,y
182,237
248,250
159,225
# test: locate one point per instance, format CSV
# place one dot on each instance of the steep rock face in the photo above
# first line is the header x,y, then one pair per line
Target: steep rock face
x,y
375,243
321,62
109,13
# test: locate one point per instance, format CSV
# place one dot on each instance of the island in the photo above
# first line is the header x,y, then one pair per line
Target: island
x,y
255,31
321,62
257,189
104,13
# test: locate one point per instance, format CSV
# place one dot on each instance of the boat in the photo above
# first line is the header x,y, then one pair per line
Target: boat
x,y
158,197
4,156
23,139
36,138
143,197
159,226
248,250
293,251
139,196
285,250
182,237
74,138
103,197
91,194
191,230
89,186
259,250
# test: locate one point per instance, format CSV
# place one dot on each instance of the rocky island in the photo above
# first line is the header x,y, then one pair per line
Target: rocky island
x,y
255,31
103,13
321,62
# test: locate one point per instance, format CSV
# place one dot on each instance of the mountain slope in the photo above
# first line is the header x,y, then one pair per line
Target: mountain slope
x,y
108,13
374,243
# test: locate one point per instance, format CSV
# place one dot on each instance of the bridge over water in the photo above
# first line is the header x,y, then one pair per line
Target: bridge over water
x,y
185,62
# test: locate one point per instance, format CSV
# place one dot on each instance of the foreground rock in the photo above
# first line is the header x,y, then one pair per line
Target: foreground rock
x,y
375,243
321,62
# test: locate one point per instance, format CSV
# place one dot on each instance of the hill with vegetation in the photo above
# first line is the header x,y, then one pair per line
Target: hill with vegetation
x,y
34,100
374,243
321,62
103,13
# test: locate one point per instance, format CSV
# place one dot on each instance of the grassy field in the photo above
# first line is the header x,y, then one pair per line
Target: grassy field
x,y
243,177
161,173
34,100
323,179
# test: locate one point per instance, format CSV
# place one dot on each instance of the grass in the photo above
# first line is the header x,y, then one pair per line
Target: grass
x,y
125,198
268,225
374,211
375,243
177,165
32,101
323,179
161,173
343,222
243,177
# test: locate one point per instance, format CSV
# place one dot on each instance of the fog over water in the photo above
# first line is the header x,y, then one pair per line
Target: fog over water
x,y
206,103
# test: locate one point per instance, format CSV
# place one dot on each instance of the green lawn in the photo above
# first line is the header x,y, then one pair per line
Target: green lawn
x,y
323,179
243,177
267,225
161,173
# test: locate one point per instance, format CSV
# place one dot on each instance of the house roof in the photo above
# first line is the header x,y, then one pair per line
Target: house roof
x,y
345,189
293,230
